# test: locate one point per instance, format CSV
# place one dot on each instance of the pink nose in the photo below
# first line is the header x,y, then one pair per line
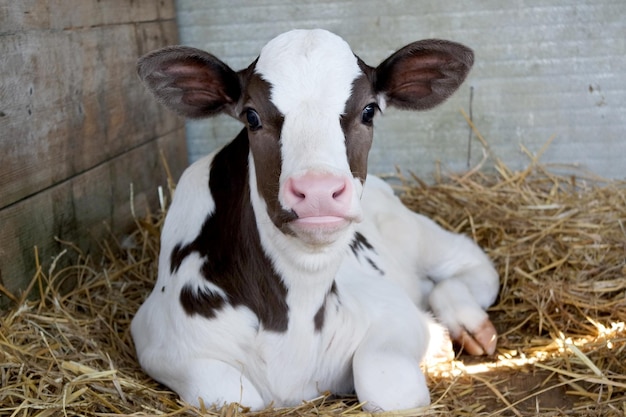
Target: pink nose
x,y
317,195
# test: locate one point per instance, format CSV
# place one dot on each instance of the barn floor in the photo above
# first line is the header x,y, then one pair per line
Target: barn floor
x,y
559,243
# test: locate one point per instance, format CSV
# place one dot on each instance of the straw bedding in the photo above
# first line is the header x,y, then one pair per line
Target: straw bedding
x,y
559,243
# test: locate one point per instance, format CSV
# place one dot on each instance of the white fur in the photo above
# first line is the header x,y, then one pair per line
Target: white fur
x,y
375,331
311,97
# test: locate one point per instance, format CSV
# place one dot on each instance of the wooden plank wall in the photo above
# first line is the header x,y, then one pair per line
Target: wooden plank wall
x,y
76,126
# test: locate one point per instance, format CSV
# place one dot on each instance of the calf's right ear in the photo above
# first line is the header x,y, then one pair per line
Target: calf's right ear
x,y
190,81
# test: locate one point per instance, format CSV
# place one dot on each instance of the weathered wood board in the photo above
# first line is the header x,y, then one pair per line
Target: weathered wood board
x,y
76,125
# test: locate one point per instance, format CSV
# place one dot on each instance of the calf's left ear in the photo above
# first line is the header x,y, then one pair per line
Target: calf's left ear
x,y
423,74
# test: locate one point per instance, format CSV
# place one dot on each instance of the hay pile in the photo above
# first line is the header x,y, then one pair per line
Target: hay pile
x,y
559,244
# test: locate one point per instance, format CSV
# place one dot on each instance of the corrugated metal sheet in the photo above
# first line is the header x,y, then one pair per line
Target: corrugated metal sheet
x,y
542,69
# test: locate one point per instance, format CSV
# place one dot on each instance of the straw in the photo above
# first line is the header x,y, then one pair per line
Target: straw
x,y
558,242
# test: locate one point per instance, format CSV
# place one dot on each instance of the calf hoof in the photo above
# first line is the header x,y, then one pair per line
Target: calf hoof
x,y
481,341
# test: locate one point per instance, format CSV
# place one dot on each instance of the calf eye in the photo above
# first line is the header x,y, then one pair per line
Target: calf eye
x,y
254,121
368,113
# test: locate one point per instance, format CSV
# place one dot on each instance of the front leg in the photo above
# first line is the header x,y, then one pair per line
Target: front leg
x,y
386,364
447,270
456,308
387,379
465,285
211,381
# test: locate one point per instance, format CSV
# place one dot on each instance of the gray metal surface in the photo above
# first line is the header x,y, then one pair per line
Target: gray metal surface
x,y
542,69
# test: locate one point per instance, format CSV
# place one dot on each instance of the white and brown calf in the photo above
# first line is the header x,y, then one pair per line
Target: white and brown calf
x,y
284,273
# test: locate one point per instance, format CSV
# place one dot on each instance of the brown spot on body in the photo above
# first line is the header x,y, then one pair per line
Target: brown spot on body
x,y
230,246
360,246
320,316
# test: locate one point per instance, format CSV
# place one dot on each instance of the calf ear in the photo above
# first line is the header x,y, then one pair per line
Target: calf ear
x,y
423,74
189,81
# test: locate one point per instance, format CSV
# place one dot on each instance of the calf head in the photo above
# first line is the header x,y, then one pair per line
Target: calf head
x,y
308,104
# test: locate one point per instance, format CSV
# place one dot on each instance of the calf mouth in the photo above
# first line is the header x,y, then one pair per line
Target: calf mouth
x,y
322,230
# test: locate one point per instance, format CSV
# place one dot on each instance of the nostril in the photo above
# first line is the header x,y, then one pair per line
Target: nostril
x,y
296,191
339,192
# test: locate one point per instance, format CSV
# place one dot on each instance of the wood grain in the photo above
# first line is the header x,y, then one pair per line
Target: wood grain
x,y
85,208
76,125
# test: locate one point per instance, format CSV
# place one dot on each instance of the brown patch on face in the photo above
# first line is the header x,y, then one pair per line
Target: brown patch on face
x,y
358,134
265,146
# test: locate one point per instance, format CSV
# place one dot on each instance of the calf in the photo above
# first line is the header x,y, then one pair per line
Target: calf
x,y
283,273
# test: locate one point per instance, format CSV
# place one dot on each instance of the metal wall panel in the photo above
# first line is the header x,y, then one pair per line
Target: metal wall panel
x,y
543,69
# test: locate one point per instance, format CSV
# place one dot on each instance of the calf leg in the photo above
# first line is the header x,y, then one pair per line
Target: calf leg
x,y
386,379
215,382
465,285
386,365
467,322
446,269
